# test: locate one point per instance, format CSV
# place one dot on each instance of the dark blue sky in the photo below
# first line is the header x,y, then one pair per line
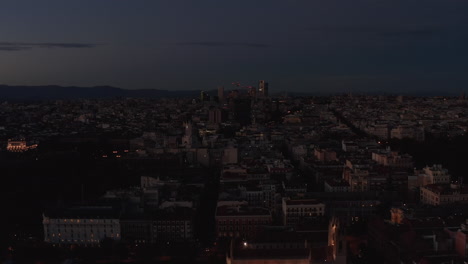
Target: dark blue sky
x,y
296,45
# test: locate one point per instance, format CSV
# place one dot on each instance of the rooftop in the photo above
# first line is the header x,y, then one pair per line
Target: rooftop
x,y
241,211
337,183
446,189
302,202
85,212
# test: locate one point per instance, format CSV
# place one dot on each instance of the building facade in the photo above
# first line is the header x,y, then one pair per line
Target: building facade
x,y
81,226
296,211
438,194
241,221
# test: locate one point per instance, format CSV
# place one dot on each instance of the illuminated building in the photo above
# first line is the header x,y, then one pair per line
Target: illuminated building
x,y
397,216
262,89
187,138
298,210
402,131
240,255
336,241
357,179
172,224
280,247
86,226
19,145
325,154
393,159
461,242
436,174
204,96
439,194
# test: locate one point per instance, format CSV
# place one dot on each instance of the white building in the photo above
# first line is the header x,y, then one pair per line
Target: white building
x,y
435,175
393,159
86,226
439,194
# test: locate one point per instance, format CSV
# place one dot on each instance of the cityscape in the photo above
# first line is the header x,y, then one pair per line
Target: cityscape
x,y
236,175
234,132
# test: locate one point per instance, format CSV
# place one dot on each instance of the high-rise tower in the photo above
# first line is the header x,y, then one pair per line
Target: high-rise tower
x,y
187,138
220,93
215,115
262,89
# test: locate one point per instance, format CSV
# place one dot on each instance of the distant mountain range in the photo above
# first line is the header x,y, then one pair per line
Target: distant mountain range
x,y
54,92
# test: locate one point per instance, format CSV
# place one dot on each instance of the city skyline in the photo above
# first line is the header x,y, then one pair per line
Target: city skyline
x,y
298,46
233,132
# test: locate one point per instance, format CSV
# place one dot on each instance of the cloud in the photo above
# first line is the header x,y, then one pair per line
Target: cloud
x,y
13,48
402,31
65,45
19,46
224,44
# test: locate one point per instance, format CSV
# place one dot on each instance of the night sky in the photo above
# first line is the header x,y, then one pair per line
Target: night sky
x,y
296,45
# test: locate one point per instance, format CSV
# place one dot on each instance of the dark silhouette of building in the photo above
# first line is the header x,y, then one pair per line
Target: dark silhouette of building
x,y
262,89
